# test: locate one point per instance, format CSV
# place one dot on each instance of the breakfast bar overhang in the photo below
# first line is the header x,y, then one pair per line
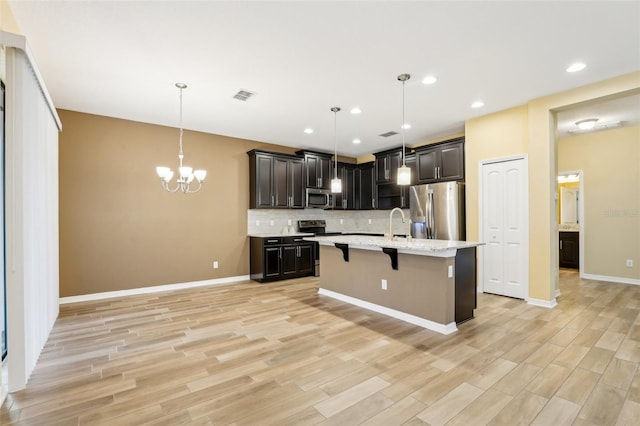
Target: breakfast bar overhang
x,y
430,283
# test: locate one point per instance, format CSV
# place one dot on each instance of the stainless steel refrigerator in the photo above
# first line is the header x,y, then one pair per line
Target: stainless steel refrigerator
x,y
437,211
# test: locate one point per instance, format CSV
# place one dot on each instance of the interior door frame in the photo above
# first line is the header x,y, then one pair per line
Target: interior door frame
x,y
581,216
525,207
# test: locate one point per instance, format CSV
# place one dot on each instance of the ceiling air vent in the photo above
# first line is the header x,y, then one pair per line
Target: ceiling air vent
x,y
386,135
243,95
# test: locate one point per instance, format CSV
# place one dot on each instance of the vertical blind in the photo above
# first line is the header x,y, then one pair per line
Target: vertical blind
x,y
31,211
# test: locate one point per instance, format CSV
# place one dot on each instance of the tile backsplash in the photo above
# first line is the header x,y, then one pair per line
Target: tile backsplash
x,y
274,221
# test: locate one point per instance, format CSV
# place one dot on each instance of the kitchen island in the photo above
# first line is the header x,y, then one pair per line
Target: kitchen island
x,y
430,283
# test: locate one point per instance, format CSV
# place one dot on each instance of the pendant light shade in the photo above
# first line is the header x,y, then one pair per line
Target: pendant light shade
x,y
336,183
404,172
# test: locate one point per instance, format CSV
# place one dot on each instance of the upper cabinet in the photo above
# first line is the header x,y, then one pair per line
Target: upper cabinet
x,y
365,186
387,164
346,200
318,169
275,180
441,162
388,193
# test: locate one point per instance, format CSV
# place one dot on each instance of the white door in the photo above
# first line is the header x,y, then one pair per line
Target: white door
x,y
504,228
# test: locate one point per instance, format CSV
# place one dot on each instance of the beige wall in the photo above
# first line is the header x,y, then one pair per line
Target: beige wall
x,y
610,161
530,130
120,230
7,20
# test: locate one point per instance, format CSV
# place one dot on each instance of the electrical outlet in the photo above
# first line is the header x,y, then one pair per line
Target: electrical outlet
x,y
384,284
369,221
450,271
289,222
341,222
271,223
257,223
215,264
629,263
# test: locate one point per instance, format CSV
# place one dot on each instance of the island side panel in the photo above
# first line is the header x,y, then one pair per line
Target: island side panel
x,y
419,287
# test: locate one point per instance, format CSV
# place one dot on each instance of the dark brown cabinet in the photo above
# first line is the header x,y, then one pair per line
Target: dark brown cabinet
x,y
569,250
441,162
365,186
317,169
346,200
387,164
281,258
275,180
388,193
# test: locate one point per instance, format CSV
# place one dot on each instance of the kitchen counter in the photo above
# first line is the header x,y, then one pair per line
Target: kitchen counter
x,y
429,283
281,234
421,247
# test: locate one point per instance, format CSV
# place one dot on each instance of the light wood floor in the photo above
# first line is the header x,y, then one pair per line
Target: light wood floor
x,y
252,354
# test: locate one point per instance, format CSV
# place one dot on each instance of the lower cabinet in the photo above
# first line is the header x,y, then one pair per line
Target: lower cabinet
x,y
569,250
281,258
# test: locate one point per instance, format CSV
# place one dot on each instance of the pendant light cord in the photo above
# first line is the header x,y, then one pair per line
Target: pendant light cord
x,y
403,123
335,141
180,153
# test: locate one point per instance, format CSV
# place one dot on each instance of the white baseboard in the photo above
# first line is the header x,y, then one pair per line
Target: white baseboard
x,y
148,290
618,280
543,303
412,319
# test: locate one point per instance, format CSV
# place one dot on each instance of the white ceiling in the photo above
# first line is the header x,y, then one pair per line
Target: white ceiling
x,y
121,59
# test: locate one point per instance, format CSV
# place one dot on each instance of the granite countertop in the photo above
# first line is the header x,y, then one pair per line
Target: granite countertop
x,y
280,234
422,247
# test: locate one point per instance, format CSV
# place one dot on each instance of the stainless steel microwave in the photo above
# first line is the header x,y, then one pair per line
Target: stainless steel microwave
x,y
318,198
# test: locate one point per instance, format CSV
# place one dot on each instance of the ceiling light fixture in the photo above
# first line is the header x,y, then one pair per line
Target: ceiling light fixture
x,y
429,79
187,174
404,172
477,104
355,110
308,130
578,66
336,183
586,124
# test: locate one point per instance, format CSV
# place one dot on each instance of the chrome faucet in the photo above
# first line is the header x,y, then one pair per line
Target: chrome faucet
x,y
390,236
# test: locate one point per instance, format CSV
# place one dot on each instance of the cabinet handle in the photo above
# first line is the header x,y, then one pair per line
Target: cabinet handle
x,y
373,203
386,169
272,241
273,200
560,244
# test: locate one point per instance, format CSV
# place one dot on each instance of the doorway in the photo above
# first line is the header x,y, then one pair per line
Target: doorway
x,y
504,225
570,213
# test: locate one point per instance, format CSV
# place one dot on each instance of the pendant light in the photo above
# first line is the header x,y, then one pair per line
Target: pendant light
x,y
336,183
186,174
404,172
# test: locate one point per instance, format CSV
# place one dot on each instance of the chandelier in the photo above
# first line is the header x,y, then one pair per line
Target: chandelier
x,y
186,174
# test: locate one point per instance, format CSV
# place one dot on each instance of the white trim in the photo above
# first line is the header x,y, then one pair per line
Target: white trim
x,y
558,293
617,280
480,253
549,304
149,290
412,319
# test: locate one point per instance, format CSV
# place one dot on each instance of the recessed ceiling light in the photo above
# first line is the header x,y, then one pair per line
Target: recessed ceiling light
x,y
406,126
587,124
429,79
578,66
355,110
356,141
308,130
477,104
